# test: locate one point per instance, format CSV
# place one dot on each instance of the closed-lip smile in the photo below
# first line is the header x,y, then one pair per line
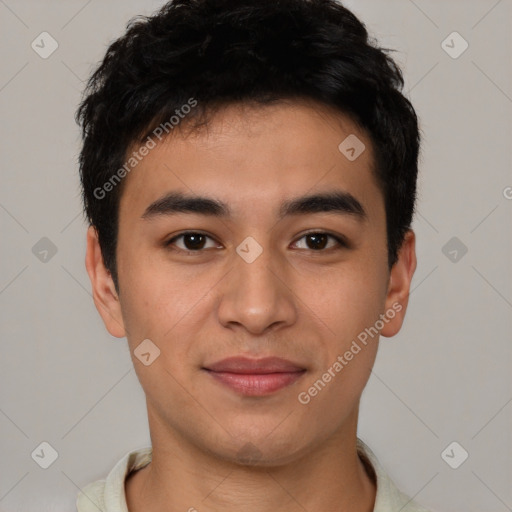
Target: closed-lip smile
x,y
255,377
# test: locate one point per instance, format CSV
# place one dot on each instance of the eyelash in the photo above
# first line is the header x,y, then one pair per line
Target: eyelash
x,y
342,243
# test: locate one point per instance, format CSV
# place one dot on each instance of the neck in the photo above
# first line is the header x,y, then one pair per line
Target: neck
x,y
184,477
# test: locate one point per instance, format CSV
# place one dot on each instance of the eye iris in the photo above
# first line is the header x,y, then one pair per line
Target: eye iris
x,y
319,240
193,241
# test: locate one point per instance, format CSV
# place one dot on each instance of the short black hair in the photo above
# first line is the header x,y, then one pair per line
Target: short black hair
x,y
207,54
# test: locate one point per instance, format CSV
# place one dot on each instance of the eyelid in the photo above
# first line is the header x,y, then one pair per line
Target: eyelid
x,y
341,241
189,232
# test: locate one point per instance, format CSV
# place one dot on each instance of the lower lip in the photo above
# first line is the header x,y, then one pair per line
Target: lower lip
x,y
256,384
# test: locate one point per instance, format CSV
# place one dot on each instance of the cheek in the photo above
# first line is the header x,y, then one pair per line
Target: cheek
x,y
330,397
351,298
166,306
350,309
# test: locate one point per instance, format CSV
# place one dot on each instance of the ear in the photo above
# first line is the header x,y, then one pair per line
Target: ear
x,y
103,289
399,285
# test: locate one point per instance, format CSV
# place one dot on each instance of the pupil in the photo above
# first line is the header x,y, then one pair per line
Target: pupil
x,y
319,241
196,241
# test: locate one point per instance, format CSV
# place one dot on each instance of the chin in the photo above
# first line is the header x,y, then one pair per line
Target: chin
x,y
260,451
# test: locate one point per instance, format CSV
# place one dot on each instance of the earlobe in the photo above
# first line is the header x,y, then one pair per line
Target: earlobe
x,y
104,293
399,285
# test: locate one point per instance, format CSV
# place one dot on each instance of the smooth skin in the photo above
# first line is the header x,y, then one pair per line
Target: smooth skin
x,y
296,301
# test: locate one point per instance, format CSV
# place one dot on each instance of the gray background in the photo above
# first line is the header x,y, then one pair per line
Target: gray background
x,y
444,378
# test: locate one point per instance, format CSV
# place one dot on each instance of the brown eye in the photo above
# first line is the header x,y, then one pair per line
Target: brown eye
x,y
318,241
191,241
194,241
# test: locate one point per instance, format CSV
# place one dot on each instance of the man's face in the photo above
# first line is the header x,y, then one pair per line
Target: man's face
x,y
255,283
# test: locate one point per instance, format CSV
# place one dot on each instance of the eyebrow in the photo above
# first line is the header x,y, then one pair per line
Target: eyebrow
x,y
338,202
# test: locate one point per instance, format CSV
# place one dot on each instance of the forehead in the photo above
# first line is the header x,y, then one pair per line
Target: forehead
x,y
252,157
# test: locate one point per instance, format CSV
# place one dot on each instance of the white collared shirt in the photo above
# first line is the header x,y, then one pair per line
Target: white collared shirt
x,y
108,495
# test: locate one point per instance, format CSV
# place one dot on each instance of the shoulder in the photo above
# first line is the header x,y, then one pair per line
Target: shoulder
x,y
388,496
108,495
91,497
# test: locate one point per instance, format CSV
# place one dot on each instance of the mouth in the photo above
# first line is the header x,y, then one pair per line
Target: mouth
x,y
255,377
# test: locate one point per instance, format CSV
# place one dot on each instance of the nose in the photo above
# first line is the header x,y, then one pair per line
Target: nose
x,y
258,295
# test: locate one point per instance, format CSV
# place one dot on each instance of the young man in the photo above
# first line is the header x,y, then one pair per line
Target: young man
x,y
249,173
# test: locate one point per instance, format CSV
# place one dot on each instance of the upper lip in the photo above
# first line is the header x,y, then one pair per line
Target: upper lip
x,y
246,365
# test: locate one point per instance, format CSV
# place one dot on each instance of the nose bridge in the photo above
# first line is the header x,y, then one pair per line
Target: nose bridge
x,y
255,295
253,264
